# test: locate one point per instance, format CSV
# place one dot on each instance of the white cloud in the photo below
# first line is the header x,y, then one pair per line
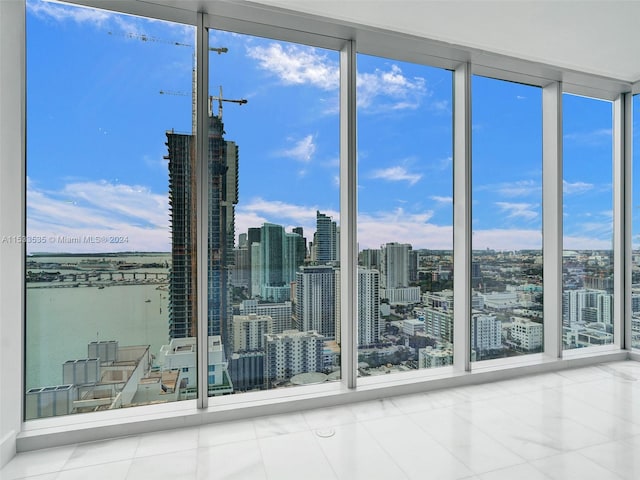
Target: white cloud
x,y
375,229
519,210
594,137
442,200
99,208
391,87
396,174
302,151
297,65
575,187
520,188
60,13
277,211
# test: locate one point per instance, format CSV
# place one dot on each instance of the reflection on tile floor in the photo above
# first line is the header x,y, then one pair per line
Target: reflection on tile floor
x,y
582,423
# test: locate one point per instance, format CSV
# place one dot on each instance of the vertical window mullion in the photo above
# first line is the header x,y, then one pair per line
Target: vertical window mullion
x,y
348,215
462,218
552,217
628,218
202,194
621,217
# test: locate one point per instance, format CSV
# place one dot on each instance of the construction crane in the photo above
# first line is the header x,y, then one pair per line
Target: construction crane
x,y
221,99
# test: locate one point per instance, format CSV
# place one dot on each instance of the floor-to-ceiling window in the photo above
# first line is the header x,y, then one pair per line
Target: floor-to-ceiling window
x,y
587,298
273,212
112,271
405,216
506,269
109,319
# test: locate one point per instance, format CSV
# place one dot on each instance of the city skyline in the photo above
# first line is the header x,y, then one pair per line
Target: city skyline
x,y
111,182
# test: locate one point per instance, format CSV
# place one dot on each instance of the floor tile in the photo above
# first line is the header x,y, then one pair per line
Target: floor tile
x,y
524,471
168,441
328,417
106,471
381,408
279,425
355,455
38,462
94,453
619,457
286,456
414,451
474,448
573,465
508,430
180,465
234,461
227,432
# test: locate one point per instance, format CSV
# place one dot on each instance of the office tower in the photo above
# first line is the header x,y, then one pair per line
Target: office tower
x,y
275,260
394,265
414,258
242,240
315,300
325,240
370,258
290,353
295,252
253,236
272,254
241,269
222,163
300,232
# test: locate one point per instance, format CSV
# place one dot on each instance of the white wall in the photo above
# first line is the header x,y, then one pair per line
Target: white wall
x,y
12,114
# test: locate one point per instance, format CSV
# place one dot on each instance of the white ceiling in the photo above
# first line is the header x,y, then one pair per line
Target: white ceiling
x,y
593,36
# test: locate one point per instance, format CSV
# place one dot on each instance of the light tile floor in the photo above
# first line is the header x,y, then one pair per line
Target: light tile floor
x,y
575,424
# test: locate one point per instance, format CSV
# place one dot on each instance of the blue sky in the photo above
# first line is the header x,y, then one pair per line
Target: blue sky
x,y
97,122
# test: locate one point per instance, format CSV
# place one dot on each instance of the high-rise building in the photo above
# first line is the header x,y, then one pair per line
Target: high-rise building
x,y
586,306
369,258
325,241
240,273
486,333
315,300
272,254
249,331
292,352
295,252
182,201
300,231
369,322
280,313
394,265
222,162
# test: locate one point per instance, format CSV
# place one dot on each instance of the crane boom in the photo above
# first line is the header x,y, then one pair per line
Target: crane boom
x,y
221,99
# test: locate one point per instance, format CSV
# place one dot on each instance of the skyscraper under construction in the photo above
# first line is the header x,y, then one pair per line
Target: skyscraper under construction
x,y
222,161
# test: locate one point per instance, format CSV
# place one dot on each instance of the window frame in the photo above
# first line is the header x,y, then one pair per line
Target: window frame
x,y
349,39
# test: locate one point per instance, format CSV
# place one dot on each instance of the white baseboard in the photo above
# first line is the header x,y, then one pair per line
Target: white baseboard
x,y
7,448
